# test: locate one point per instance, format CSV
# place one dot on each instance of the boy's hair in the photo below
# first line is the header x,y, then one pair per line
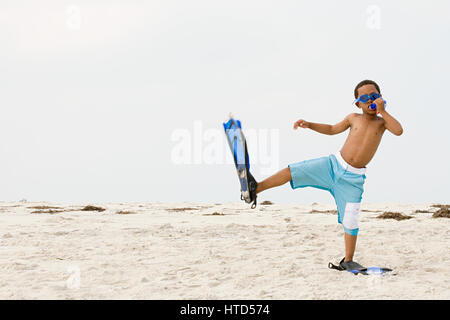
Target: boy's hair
x,y
363,83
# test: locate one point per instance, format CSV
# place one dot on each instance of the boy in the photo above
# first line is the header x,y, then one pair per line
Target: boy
x,y
343,173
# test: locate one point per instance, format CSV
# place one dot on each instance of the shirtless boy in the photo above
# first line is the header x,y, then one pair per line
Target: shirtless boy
x,y
343,173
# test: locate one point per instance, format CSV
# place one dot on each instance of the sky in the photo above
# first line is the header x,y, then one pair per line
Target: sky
x,y
123,101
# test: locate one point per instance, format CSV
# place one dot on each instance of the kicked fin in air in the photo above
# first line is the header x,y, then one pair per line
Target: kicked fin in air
x,y
238,146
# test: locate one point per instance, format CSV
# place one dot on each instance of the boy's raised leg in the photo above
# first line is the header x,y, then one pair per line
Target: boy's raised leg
x,y
278,179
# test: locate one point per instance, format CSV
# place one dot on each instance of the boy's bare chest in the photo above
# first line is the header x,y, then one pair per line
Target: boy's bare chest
x,y
368,129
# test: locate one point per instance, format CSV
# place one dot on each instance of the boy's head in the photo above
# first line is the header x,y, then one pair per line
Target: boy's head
x,y
366,87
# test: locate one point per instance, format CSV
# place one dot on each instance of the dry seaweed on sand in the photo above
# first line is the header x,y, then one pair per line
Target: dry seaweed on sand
x,y
214,214
441,206
181,209
323,211
442,213
266,203
93,208
125,212
43,207
422,211
393,215
51,211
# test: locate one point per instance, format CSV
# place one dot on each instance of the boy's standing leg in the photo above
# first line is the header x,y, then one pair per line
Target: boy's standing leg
x,y
350,245
283,176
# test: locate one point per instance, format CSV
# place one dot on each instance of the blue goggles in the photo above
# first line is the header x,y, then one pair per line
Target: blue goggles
x,y
366,97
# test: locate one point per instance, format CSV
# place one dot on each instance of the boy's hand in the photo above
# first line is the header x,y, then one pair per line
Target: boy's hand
x,y
301,123
380,104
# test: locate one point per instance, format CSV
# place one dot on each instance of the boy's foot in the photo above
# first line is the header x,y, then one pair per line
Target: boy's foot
x,y
252,185
351,265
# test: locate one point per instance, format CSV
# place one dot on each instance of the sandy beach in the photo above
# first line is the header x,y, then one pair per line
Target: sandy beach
x,y
217,251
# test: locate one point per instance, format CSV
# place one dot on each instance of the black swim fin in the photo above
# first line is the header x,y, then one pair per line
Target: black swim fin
x,y
356,268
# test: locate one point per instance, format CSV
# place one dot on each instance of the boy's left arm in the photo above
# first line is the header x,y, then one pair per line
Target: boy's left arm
x,y
389,121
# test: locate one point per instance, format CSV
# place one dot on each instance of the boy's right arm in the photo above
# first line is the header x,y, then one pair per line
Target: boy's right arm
x,y
325,128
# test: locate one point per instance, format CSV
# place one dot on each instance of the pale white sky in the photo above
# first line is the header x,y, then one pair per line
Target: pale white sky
x,y
91,94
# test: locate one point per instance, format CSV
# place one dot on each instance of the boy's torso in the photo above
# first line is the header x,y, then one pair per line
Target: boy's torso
x,y
363,140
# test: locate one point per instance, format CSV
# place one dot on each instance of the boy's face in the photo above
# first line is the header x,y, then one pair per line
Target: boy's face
x,y
365,106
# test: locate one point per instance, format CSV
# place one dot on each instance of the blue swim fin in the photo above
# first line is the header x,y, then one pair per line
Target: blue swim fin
x,y
238,146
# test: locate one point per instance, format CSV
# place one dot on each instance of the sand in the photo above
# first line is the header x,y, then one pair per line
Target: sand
x,y
217,251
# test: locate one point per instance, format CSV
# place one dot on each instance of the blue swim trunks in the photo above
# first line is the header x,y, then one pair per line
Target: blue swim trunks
x,y
335,175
